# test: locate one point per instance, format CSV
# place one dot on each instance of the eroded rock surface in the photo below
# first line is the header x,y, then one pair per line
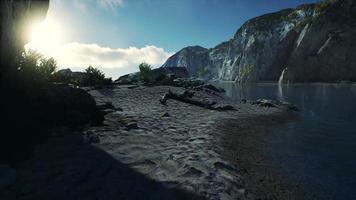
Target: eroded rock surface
x,y
311,43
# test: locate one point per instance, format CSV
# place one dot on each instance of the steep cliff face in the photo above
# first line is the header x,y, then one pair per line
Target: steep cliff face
x,y
326,48
194,59
15,16
313,42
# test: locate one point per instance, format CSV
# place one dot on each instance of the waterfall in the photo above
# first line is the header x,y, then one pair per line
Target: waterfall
x,y
280,81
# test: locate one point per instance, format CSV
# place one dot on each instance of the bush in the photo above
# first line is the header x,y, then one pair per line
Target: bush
x,y
47,67
34,66
145,72
94,77
152,76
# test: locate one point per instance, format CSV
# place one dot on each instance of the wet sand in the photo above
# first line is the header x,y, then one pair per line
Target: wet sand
x,y
177,151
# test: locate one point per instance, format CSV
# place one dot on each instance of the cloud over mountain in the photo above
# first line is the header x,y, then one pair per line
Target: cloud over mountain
x,y
113,61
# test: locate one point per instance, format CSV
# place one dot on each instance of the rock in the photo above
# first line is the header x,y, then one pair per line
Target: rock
x,y
90,137
133,87
107,107
265,103
214,88
223,107
68,76
7,176
315,45
131,125
68,106
243,101
107,111
187,82
243,191
289,106
166,114
128,79
276,104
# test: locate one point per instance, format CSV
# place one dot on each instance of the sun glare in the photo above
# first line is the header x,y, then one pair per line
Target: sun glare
x,y
45,37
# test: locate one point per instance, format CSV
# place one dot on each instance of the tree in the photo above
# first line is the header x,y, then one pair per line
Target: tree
x,y
47,67
33,65
93,76
145,71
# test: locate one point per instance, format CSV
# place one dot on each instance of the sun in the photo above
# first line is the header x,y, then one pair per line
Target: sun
x,y
45,37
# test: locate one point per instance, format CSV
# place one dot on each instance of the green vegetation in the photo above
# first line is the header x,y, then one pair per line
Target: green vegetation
x,y
94,77
145,72
150,76
246,72
323,5
203,72
34,66
266,21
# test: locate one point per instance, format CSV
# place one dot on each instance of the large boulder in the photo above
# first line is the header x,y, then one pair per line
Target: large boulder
x,y
32,113
69,106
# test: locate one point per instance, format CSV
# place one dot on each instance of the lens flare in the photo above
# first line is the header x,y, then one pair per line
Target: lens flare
x,y
45,37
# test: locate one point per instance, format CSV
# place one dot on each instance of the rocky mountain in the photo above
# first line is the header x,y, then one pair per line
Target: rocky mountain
x,y
311,43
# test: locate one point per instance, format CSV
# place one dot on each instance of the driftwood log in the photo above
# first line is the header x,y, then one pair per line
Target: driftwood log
x,y
187,97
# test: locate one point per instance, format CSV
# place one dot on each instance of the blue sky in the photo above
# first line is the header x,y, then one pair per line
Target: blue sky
x,y
164,26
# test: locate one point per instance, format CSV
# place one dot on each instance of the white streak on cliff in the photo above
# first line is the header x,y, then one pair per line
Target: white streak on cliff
x,y
324,45
302,34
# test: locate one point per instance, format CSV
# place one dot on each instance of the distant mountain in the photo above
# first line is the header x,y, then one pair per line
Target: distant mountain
x,y
311,43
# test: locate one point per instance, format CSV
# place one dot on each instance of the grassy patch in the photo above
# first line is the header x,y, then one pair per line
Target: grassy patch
x,y
246,72
323,5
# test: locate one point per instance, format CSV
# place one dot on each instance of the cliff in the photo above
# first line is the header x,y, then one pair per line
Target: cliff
x,y
310,43
15,17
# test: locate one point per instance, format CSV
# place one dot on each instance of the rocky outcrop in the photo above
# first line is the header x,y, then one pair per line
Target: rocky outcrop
x,y
195,59
314,42
326,46
15,17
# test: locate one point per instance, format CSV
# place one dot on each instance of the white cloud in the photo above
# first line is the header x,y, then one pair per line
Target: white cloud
x,y
106,4
111,4
114,62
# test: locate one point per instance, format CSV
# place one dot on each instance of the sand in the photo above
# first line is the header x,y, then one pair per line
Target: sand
x,y
177,151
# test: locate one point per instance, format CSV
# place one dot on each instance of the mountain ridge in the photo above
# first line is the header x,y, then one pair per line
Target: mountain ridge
x,y
296,41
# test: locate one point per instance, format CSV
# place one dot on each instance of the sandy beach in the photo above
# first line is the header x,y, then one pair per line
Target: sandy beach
x,y
150,151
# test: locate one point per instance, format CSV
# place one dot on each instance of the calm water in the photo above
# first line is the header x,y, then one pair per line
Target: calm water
x,y
319,149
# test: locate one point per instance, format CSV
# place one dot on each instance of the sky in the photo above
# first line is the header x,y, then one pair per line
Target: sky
x,y
117,35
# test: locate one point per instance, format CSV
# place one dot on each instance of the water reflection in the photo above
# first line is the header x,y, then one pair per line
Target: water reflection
x,y
320,148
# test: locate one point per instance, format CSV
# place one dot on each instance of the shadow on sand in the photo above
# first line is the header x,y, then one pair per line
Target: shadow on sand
x,y
65,168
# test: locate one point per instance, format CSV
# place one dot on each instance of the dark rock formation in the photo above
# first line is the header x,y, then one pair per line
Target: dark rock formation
x,y
68,76
194,59
177,72
275,104
188,97
169,73
31,113
314,42
15,17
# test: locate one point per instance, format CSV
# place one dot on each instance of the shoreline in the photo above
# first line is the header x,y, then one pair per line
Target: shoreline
x,y
177,145
245,148
286,84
